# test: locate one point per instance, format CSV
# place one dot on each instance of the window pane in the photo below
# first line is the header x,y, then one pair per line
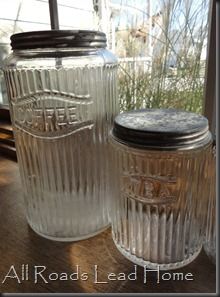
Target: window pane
x,y
162,46
76,14
9,9
19,16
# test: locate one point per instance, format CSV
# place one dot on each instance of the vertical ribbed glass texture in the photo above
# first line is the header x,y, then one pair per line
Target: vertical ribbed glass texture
x,y
210,239
62,110
158,213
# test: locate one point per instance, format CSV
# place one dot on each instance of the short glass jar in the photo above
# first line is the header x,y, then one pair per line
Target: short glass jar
x,y
158,161
63,98
210,236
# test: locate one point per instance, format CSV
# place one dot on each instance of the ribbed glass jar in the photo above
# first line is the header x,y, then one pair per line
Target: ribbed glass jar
x,y
62,91
210,238
158,214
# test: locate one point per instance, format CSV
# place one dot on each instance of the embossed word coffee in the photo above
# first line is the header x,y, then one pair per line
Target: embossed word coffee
x,y
159,157
62,92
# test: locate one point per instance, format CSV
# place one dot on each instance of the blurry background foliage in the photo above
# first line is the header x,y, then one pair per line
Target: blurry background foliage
x,y
161,44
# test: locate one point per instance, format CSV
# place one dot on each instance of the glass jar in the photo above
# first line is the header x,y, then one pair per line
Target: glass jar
x,y
158,161
210,237
62,91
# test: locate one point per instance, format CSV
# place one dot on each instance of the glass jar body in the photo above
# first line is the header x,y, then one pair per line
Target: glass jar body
x,y
210,237
62,104
158,215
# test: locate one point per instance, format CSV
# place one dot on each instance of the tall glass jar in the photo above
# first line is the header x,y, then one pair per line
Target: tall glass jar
x,y
62,91
158,161
210,236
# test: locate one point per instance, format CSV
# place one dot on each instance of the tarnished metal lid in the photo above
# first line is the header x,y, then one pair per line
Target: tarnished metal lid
x,y
58,39
161,129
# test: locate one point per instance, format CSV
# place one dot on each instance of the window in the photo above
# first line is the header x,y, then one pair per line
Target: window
x,y
161,44
19,16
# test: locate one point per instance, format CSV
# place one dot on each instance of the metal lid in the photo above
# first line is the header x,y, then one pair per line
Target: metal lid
x,y
58,39
164,129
